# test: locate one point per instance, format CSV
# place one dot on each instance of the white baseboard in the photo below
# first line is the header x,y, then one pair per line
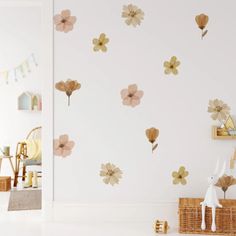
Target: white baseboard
x,y
65,212
114,212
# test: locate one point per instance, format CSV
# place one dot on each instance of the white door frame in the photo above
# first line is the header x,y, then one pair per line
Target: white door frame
x,y
46,64
46,73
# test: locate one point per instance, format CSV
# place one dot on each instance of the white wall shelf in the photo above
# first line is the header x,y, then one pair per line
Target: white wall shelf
x,y
29,102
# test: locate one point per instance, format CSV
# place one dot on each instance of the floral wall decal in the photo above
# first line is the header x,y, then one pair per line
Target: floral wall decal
x,y
64,22
131,96
133,15
221,111
225,182
202,21
179,176
111,174
63,146
152,135
171,66
68,87
100,43
218,109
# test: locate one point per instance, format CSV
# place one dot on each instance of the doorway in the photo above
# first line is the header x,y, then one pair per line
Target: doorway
x,y
26,102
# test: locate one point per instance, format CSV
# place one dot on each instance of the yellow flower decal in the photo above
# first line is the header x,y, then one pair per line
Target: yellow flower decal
x,y
100,43
133,15
152,135
111,174
202,21
171,66
219,110
179,176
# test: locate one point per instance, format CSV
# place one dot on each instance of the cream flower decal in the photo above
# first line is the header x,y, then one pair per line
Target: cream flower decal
x,y
171,66
64,22
63,146
68,87
179,176
131,96
111,174
133,15
152,135
218,109
202,21
100,43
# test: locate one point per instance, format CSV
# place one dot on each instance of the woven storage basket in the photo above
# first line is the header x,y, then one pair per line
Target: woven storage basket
x,y
190,217
5,183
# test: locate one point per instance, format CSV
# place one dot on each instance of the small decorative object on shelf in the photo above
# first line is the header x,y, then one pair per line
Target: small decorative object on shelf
x,y
161,227
211,199
29,102
220,133
221,111
5,183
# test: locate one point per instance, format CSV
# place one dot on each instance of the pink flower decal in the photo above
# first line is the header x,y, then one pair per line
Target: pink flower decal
x,y
131,96
63,146
64,22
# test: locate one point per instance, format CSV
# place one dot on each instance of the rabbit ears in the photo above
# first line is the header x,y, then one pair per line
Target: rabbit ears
x,y
222,171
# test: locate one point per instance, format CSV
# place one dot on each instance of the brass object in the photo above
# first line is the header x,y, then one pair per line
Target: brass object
x,y
161,227
228,129
222,132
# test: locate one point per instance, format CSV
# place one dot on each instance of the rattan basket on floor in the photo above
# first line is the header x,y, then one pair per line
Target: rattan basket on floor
x,y
5,183
190,217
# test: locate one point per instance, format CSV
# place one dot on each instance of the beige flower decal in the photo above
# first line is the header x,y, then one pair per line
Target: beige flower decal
x,y
133,15
225,182
100,43
111,174
171,66
63,146
179,176
64,22
131,96
202,21
218,109
68,87
152,135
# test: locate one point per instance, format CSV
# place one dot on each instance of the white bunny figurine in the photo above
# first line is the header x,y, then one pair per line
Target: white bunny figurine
x,y
211,199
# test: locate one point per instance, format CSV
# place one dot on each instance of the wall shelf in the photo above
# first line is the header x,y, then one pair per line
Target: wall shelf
x,y
221,137
29,102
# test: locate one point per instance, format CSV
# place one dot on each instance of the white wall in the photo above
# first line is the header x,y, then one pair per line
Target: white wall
x,y
106,131
20,36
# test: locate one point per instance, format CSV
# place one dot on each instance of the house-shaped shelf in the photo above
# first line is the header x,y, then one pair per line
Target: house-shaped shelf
x,y
29,102
215,135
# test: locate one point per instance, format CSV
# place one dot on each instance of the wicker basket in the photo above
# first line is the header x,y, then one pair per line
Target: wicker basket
x,y
190,217
5,183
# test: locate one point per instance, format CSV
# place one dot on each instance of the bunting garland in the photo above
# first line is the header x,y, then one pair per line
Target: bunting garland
x,y
20,71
